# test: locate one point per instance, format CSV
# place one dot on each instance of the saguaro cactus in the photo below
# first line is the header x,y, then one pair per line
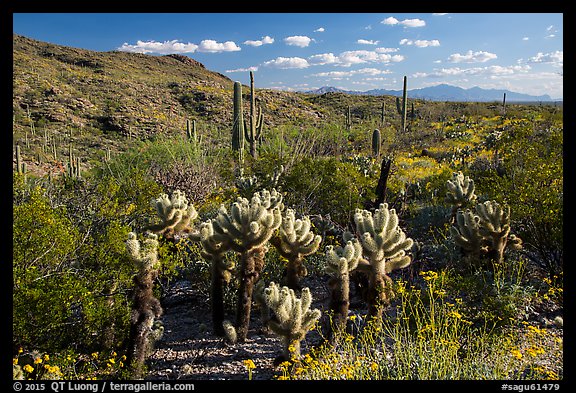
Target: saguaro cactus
x,y
247,228
385,245
256,121
340,261
294,242
401,106
348,119
238,123
146,308
292,318
486,233
175,215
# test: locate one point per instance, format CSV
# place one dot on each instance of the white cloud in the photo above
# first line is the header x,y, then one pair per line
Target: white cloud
x,y
385,50
485,71
556,58
343,74
264,40
348,58
390,21
440,13
298,40
406,22
287,62
253,68
319,30
164,48
367,42
472,57
322,59
420,43
525,38
212,46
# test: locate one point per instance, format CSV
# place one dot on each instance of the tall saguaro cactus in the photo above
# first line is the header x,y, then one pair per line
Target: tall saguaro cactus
x,y
146,308
294,241
376,142
402,106
340,261
292,318
385,245
247,228
238,123
256,121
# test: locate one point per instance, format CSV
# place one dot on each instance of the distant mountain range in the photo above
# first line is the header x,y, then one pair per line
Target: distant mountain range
x,y
445,92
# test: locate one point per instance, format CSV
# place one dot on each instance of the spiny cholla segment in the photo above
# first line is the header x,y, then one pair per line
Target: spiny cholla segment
x,y
292,317
341,260
384,243
296,237
460,190
249,223
145,256
175,213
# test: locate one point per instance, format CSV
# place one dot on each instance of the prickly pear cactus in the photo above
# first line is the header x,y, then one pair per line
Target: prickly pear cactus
x,y
292,318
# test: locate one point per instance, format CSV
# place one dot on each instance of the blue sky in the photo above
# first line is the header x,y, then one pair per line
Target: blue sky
x,y
355,51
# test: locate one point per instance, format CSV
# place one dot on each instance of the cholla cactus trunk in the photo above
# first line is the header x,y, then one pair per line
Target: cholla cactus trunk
x,y
252,265
340,261
145,308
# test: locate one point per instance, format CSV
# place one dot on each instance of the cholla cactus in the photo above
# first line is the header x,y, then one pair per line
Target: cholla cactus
x,y
460,191
292,317
340,261
294,242
485,233
246,229
175,214
385,245
146,308
221,272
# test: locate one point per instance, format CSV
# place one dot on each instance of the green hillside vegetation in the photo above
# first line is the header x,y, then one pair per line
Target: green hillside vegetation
x,y
448,234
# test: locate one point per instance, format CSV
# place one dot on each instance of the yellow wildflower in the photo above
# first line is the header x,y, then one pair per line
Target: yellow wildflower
x,y
28,368
516,353
249,364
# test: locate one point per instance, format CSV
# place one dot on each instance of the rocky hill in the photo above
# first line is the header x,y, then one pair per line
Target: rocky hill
x,y
99,99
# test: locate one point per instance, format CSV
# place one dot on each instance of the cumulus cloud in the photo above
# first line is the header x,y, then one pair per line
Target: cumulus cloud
x,y
406,22
212,46
322,59
489,71
472,57
298,40
319,30
557,58
287,62
440,13
263,41
348,58
253,68
385,50
367,42
164,48
343,74
419,43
